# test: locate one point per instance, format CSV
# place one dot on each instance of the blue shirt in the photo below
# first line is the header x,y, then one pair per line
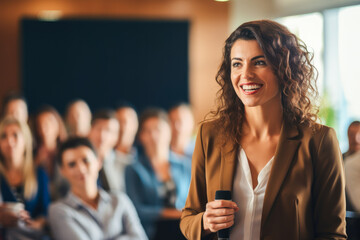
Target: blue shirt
x,y
142,186
36,206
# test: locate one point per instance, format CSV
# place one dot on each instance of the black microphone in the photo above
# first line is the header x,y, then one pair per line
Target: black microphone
x,y
223,234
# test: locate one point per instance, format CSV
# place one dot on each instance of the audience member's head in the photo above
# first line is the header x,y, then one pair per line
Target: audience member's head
x,y
154,131
104,132
354,137
16,152
79,163
182,126
49,127
78,118
128,119
15,105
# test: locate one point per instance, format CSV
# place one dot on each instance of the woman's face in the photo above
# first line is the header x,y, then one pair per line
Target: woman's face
x,y
155,133
252,77
48,126
12,144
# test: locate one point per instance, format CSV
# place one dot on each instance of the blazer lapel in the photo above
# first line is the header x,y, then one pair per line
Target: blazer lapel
x,y
228,165
284,155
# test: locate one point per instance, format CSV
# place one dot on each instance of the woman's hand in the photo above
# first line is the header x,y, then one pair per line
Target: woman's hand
x,y
37,224
219,214
9,218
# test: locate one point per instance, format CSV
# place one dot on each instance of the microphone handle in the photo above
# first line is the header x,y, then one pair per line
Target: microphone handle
x,y
223,234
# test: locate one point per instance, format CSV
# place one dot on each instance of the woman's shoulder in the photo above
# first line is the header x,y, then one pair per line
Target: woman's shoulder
x,y
317,132
210,127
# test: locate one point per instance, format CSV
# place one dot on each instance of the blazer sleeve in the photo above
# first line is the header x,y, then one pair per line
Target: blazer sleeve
x,y
329,189
191,223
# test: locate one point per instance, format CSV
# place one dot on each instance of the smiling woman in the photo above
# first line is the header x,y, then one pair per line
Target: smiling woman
x,y
252,78
264,145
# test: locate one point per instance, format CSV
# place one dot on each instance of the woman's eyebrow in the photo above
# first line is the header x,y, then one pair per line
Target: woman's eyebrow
x,y
252,59
257,57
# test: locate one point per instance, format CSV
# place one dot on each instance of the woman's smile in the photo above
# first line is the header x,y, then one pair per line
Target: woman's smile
x,y
251,88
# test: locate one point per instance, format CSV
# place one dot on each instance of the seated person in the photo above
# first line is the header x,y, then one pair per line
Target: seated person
x,y
22,183
103,135
88,212
49,133
182,130
78,118
158,182
125,150
15,105
352,179
353,138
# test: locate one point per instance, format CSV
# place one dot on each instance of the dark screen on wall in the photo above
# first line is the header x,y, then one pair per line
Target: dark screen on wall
x,y
144,62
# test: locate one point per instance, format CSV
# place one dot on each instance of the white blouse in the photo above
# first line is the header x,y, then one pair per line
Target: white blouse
x,y
250,201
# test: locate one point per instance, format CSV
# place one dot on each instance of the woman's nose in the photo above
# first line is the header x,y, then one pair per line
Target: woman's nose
x,y
11,141
247,72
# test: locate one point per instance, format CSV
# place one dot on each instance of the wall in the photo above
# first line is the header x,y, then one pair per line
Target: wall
x,y
208,30
247,10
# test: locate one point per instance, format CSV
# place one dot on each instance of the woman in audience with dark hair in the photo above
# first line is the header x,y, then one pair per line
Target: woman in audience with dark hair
x,y
158,182
49,132
24,196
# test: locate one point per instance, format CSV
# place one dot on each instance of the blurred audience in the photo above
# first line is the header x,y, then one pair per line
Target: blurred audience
x,y
88,212
15,105
158,182
182,130
24,195
353,138
104,135
50,132
78,118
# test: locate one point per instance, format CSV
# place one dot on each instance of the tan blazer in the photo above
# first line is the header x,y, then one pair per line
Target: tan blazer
x,y
305,194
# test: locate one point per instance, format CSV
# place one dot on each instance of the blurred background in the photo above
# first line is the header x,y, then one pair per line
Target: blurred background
x,y
160,52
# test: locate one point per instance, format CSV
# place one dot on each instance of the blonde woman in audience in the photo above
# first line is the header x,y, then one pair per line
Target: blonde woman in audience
x,y
88,212
24,196
49,133
158,182
78,118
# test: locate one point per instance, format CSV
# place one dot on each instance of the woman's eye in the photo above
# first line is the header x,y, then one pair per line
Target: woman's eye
x,y
3,136
236,64
260,62
86,160
71,164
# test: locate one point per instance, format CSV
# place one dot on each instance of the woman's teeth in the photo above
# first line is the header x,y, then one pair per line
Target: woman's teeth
x,y
252,87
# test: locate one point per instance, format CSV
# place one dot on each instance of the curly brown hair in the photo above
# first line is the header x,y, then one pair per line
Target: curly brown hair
x,y
291,62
